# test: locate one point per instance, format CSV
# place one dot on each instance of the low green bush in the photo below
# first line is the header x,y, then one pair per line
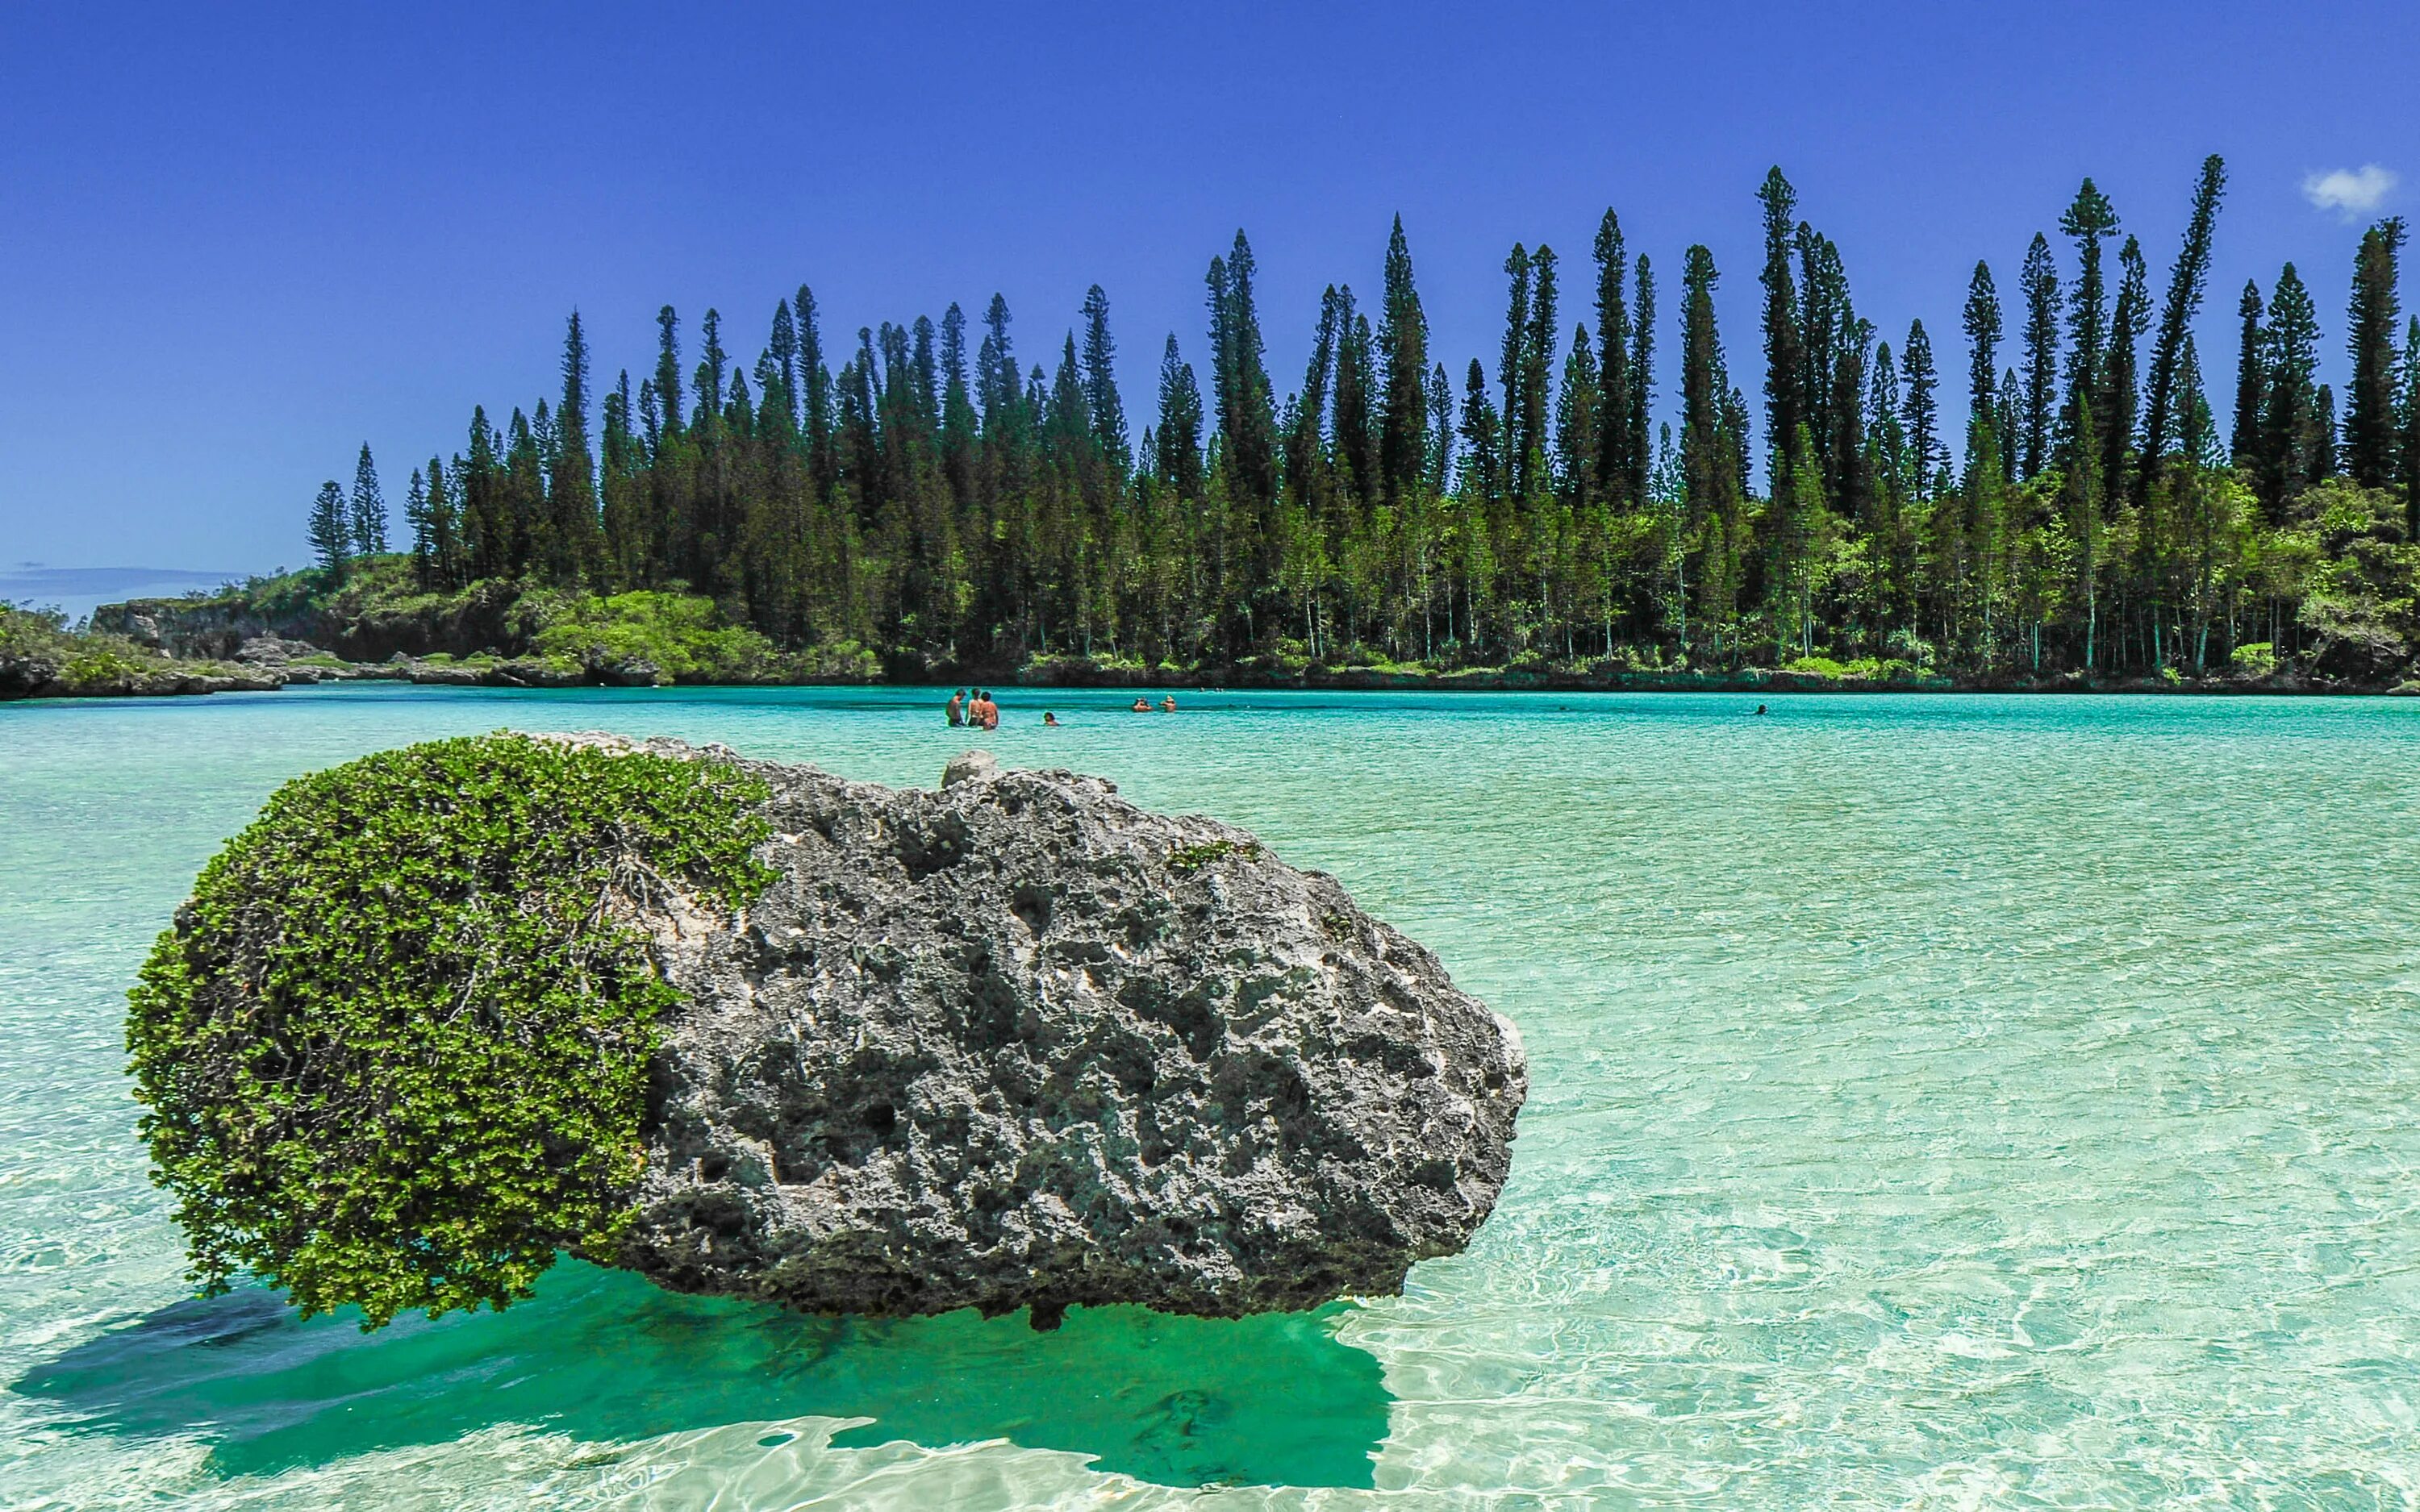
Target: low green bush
x,y
2258,658
394,1051
682,634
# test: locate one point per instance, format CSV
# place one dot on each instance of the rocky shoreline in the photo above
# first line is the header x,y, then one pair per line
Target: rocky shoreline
x,y
164,648
267,663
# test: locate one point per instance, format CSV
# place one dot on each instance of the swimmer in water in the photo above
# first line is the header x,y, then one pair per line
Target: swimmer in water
x,y
957,708
1050,719
1142,705
1760,708
1168,705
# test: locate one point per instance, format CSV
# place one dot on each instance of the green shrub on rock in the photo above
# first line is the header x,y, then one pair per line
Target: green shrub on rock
x,y
393,1053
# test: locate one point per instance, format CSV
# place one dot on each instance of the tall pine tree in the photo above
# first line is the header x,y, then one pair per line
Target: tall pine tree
x,y
2187,278
367,515
330,530
1982,324
1784,354
2292,432
1614,440
1404,346
2040,282
2370,400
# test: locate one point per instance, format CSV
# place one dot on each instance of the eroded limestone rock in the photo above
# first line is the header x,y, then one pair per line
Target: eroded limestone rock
x,y
1019,1044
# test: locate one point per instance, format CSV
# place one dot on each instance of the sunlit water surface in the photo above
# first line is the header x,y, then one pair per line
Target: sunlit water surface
x,y
1936,1102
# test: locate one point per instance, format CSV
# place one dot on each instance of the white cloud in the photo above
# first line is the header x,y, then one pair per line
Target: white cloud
x,y
2349,191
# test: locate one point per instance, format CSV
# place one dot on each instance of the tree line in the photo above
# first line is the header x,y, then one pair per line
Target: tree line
x,y
958,508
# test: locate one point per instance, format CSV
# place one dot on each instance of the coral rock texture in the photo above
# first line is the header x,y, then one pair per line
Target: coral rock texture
x,y
1019,1044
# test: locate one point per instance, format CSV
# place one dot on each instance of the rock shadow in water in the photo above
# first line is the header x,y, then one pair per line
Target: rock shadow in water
x,y
1273,1399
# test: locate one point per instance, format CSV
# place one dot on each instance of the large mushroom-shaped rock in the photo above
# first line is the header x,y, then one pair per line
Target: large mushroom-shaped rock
x,y
444,1012
1019,1044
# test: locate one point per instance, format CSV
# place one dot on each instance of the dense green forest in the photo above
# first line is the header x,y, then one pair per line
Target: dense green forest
x,y
2071,506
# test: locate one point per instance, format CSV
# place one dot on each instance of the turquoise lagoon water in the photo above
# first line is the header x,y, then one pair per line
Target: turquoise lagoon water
x,y
1936,1102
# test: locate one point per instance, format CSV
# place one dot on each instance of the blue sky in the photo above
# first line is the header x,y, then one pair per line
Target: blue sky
x,y
237,241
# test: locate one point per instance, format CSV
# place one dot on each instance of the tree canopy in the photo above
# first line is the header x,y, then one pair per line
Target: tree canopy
x,y
959,510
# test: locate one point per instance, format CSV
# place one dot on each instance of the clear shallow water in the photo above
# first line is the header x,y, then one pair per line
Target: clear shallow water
x,y
1936,1102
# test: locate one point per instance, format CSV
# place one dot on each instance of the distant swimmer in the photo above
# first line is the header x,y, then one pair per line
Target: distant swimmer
x,y
1142,705
1050,719
990,711
1168,705
957,708
1760,708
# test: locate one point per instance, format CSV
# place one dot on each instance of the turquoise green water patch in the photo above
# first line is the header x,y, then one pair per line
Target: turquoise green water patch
x,y
1936,1101
607,1358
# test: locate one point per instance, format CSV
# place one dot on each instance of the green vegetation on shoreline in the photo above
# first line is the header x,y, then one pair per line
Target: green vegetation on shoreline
x,y
502,634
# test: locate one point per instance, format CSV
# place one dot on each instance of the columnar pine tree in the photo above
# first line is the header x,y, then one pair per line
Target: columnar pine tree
x,y
423,543
2040,282
1513,364
1178,434
1101,382
1982,340
2088,219
1483,439
330,530
1247,406
1537,374
1927,452
2187,278
1614,439
2370,399
367,519
1642,380
1711,448
1784,356
668,374
2119,396
1403,369
2251,379
1356,438
2292,433
571,471
446,567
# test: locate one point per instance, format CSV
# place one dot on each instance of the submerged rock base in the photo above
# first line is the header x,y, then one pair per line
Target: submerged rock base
x,y
1019,1044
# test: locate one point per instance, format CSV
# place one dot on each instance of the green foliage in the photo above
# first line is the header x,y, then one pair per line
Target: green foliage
x,y
931,507
40,654
2258,658
393,1052
1865,668
25,630
683,635
331,529
1191,859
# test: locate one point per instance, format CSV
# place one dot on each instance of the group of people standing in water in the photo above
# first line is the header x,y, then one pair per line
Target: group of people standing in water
x,y
981,713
